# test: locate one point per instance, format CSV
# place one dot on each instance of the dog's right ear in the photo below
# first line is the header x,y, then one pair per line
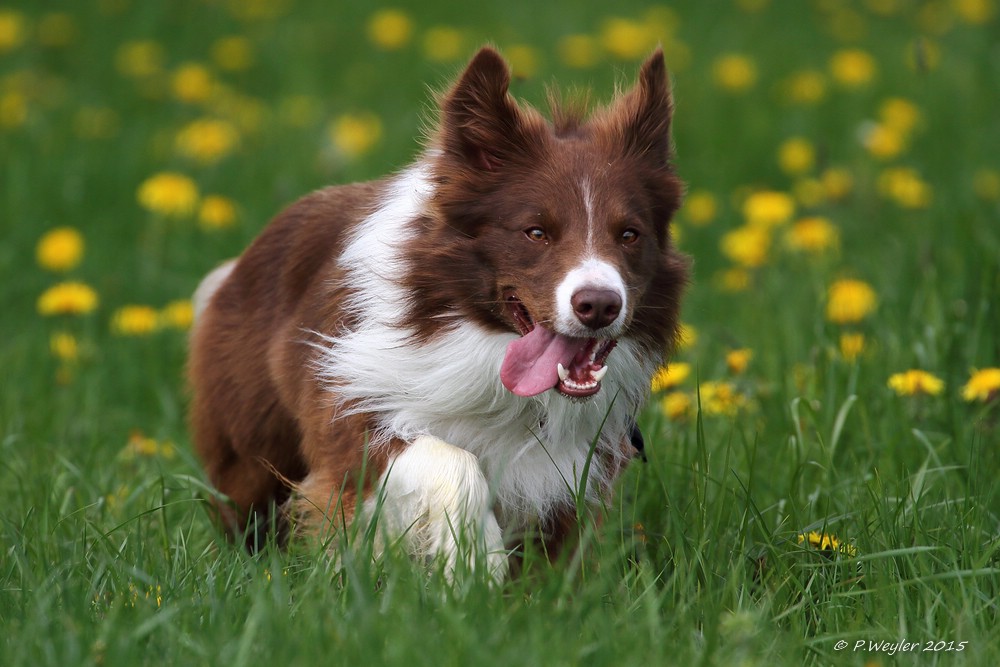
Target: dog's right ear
x,y
481,122
644,115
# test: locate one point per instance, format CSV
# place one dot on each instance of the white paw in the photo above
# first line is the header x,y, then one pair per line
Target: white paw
x,y
435,498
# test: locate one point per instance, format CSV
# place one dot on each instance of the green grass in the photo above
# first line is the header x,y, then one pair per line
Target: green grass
x,y
112,559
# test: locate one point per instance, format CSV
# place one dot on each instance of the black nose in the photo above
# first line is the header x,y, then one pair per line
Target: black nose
x,y
596,308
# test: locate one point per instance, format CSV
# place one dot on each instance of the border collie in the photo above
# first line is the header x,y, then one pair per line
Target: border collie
x,y
458,349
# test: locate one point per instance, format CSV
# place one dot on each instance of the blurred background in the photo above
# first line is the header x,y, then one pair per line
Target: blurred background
x,y
835,394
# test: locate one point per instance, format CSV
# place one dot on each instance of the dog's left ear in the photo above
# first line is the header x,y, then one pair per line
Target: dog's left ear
x,y
644,114
481,122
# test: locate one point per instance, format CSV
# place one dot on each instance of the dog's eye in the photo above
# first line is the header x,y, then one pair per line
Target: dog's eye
x,y
536,234
630,236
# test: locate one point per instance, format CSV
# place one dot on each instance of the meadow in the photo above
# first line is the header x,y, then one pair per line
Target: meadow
x,y
822,454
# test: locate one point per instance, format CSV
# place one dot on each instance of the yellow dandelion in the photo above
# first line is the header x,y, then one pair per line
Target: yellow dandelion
x,y
356,133
734,73
524,60
390,29
809,192
986,184
852,68
671,375
13,109
915,382
738,360
60,249
687,337
578,51
976,12
139,445
676,405
64,346
677,235
443,44
626,39
850,301
768,208
900,114
852,345
983,385
57,30
796,156
815,235
247,113
13,29
135,320
700,208
169,194
207,140
747,246
117,498
720,398
156,593
233,53
837,182
904,186
735,279
192,83
216,212
142,446
178,314
67,298
140,59
805,87
829,544
883,141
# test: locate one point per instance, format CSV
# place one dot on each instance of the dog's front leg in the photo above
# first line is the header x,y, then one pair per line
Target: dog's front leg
x,y
434,497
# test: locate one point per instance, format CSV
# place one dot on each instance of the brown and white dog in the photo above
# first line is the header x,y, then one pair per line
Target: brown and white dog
x,y
457,344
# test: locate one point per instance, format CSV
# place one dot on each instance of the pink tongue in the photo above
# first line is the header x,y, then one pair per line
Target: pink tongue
x,y
529,367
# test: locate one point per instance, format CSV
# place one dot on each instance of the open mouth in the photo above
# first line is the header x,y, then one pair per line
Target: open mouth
x,y
542,359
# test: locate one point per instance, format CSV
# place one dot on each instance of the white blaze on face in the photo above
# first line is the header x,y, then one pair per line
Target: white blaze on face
x,y
592,273
588,206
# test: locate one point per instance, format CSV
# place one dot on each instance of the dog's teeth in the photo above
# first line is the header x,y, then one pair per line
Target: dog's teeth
x,y
563,373
598,374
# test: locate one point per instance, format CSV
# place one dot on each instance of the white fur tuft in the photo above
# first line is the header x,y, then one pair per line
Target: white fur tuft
x,y
209,285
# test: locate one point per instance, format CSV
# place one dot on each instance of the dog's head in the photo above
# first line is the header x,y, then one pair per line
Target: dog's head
x,y
556,231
